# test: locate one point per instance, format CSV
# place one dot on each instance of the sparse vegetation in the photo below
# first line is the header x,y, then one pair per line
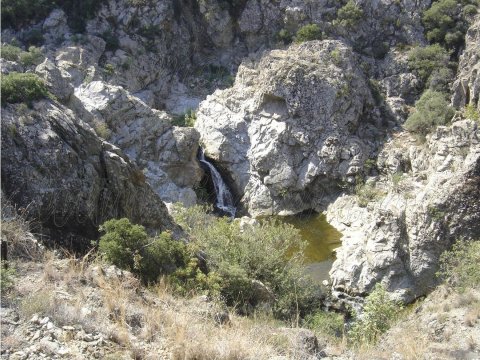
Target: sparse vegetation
x,y
185,120
470,112
326,323
308,33
379,314
7,274
21,87
460,265
31,57
366,193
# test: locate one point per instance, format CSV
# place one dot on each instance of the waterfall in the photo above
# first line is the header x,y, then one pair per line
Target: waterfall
x,y
224,196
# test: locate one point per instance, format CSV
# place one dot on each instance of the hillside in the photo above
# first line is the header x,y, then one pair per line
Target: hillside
x,y
158,150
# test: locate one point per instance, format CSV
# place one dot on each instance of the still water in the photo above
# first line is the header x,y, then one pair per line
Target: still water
x,y
322,239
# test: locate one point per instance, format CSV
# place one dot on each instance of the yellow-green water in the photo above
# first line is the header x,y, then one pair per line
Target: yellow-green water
x,y
322,238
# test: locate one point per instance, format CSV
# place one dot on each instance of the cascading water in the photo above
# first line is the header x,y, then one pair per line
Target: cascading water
x,y
224,196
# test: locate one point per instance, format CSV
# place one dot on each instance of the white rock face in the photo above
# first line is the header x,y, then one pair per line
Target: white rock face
x,y
398,238
288,129
166,154
466,89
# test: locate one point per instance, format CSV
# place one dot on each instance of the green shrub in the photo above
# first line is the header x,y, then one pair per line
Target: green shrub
x,y
366,193
109,69
425,60
431,110
21,87
325,323
129,247
10,52
242,257
379,313
6,278
284,36
33,37
349,15
470,112
186,119
31,57
460,265
308,33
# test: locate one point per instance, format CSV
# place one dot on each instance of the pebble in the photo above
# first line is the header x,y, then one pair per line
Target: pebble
x,y
45,320
36,335
34,319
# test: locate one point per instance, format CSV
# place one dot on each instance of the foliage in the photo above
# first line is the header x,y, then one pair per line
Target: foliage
x,y
432,109
186,119
31,57
10,52
21,87
471,112
111,41
129,247
243,257
325,323
366,193
460,264
109,69
308,33
445,22
379,313
425,60
349,15
6,277
284,36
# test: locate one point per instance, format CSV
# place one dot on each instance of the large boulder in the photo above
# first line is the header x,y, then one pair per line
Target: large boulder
x,y
291,128
426,198
68,179
166,154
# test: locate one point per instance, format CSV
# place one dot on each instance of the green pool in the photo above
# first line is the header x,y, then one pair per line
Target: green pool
x,y
322,239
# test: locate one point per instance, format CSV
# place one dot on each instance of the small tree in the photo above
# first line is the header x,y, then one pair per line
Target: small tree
x,y
349,15
308,33
379,313
432,109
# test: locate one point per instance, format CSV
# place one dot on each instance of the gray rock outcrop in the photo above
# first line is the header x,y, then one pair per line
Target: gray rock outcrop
x,y
466,89
426,197
68,179
291,127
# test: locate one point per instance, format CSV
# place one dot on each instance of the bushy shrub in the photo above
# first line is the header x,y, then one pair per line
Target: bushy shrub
x,y
366,193
111,40
129,247
308,33
6,278
186,119
379,313
431,110
31,57
21,87
269,253
325,323
10,52
445,21
471,112
425,60
349,14
460,265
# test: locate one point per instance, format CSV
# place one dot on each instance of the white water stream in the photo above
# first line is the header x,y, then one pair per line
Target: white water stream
x,y
224,196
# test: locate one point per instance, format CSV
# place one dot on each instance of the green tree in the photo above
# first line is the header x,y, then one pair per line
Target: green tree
x,y
21,87
429,59
349,15
308,33
432,109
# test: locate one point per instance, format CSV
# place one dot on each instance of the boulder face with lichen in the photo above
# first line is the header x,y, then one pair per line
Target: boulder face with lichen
x,y
291,129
